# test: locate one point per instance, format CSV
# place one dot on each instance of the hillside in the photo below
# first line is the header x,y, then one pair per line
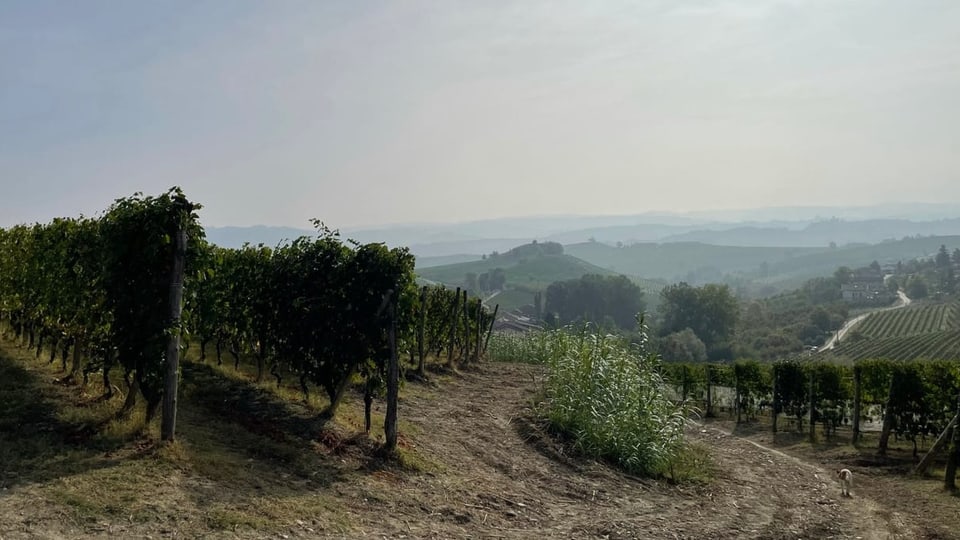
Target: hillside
x,y
525,269
532,273
252,464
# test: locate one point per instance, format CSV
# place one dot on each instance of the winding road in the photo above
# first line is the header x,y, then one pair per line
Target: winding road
x,y
903,301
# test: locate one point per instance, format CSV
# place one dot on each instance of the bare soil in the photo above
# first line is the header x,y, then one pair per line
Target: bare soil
x,y
250,465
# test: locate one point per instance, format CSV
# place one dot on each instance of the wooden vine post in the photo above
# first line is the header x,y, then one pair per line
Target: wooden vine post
x,y
421,328
857,381
813,410
455,312
738,386
169,421
887,419
476,346
708,369
465,351
493,319
393,381
953,459
776,398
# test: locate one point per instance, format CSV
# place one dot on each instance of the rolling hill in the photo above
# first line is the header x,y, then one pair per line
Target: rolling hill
x,y
777,268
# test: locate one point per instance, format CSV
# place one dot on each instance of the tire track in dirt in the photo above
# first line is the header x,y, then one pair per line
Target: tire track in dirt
x,y
864,517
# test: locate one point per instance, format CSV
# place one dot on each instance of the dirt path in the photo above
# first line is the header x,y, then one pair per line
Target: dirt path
x,y
501,478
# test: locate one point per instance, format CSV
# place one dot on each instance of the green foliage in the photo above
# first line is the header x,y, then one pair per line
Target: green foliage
x,y
751,378
606,394
686,378
315,306
138,235
710,311
528,348
595,298
791,388
683,346
101,285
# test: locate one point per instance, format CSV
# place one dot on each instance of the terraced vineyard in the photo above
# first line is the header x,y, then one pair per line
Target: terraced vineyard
x,y
928,331
911,320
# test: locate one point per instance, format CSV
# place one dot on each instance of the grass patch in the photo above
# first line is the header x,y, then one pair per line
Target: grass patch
x,y
230,520
692,464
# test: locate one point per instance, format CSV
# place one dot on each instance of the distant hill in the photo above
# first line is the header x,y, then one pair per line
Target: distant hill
x,y
821,233
782,267
764,227
428,262
528,272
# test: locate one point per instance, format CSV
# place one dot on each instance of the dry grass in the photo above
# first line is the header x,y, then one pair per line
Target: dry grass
x,y
249,456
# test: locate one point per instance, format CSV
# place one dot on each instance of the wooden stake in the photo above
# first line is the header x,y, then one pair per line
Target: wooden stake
x,y
168,423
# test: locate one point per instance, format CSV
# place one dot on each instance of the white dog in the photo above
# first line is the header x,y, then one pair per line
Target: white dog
x,y
846,480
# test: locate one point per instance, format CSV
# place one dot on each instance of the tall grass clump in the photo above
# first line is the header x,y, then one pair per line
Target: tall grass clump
x,y
528,348
607,395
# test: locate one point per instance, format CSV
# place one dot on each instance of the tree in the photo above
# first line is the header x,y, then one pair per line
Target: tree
x,y
470,281
892,285
710,311
498,278
943,257
483,281
683,346
595,298
843,275
917,288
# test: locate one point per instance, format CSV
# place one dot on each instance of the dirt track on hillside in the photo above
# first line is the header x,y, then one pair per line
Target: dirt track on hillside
x,y
491,472
503,478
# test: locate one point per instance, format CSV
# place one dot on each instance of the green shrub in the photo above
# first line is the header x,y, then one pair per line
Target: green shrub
x,y
606,395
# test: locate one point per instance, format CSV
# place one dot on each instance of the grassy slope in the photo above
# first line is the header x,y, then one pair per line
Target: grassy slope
x,y
247,460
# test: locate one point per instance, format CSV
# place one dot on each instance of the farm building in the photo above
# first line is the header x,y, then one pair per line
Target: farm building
x,y
865,286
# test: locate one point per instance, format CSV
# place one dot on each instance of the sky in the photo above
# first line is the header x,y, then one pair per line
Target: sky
x,y
366,113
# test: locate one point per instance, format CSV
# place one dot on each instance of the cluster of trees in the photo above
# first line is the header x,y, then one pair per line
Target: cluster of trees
x,y
316,307
610,301
709,313
491,280
924,277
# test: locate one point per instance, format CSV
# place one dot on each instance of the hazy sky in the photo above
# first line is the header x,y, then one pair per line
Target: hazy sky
x,y
360,113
